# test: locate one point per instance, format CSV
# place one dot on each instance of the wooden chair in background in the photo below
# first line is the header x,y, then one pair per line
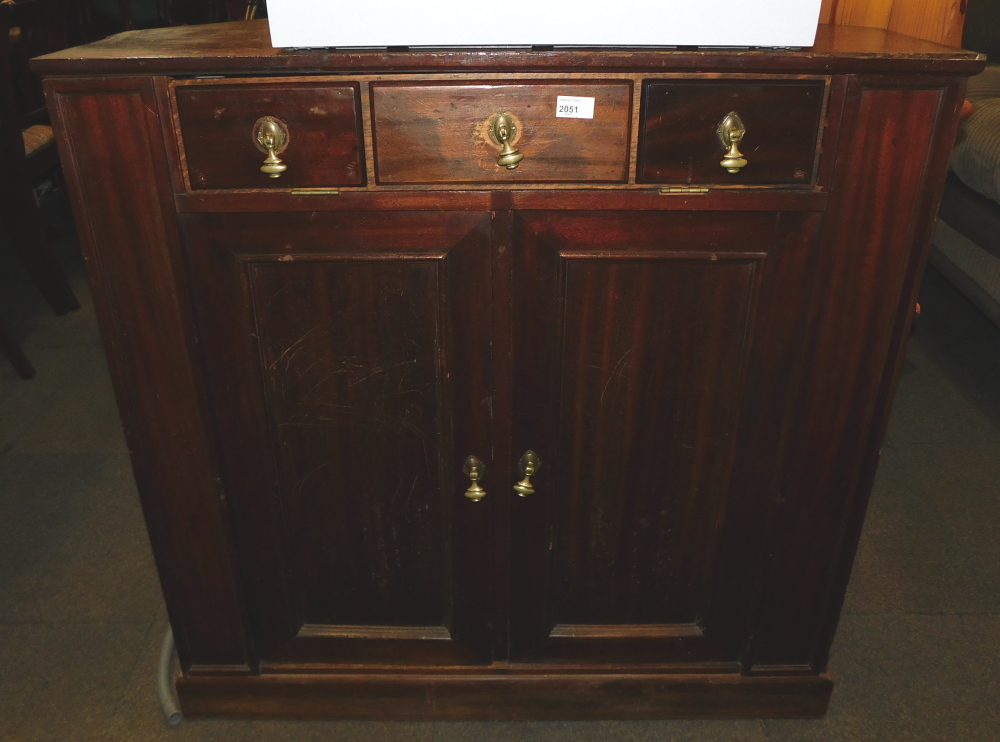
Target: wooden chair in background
x,y
27,145
940,21
29,28
27,150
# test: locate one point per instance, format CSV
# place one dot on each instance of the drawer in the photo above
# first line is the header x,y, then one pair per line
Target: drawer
x,y
680,122
217,127
440,133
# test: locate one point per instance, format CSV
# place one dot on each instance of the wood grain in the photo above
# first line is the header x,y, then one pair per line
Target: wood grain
x,y
936,168
440,133
881,179
112,149
246,46
343,435
679,140
828,11
562,199
324,132
940,21
706,377
625,526
510,696
870,13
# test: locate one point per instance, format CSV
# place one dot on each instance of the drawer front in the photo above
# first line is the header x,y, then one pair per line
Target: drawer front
x,y
679,137
217,126
434,133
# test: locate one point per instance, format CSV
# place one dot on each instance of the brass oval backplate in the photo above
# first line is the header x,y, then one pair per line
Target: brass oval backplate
x,y
731,132
509,125
516,128
271,136
274,127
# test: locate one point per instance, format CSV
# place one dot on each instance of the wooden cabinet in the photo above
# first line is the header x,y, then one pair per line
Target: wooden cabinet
x,y
699,354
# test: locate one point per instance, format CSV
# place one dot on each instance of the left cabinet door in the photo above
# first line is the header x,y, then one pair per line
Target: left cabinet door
x,y
348,357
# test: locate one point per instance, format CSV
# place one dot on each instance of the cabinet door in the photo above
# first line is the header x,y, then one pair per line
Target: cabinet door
x,y
348,359
654,358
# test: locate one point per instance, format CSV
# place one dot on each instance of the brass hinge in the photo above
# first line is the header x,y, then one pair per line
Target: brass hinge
x,y
670,190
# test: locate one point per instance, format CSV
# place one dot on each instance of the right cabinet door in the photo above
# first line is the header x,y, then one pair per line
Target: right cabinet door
x,y
655,362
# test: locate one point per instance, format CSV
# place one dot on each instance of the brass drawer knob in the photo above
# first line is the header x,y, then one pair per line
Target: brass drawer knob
x,y
528,464
474,469
502,130
271,136
731,132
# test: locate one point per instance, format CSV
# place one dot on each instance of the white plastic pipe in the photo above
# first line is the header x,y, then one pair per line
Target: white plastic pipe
x,y
165,681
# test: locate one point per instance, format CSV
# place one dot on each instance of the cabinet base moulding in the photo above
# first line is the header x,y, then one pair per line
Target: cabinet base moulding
x,y
493,696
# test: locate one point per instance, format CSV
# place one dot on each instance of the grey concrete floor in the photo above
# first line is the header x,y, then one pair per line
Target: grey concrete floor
x,y
917,655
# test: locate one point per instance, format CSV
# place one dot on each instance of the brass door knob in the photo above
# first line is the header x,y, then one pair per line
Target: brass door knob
x,y
271,136
528,464
474,469
731,132
502,130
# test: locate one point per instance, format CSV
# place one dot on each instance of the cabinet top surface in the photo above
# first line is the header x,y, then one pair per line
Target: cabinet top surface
x,y
244,47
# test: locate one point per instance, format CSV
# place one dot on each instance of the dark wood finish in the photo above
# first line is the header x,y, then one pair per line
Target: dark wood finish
x,y
501,422
629,379
440,133
908,310
513,695
706,377
348,361
869,241
111,144
679,141
240,47
551,199
324,140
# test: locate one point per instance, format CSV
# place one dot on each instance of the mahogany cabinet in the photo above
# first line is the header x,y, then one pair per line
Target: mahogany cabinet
x,y
504,383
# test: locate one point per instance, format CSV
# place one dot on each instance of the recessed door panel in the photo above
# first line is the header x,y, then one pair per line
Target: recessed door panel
x,y
634,340
646,410
340,443
354,394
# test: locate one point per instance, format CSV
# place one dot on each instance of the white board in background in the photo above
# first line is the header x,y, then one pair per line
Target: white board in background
x,y
379,23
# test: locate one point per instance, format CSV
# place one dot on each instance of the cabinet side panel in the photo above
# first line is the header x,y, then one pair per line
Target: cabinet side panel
x,y
113,153
869,243
926,214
